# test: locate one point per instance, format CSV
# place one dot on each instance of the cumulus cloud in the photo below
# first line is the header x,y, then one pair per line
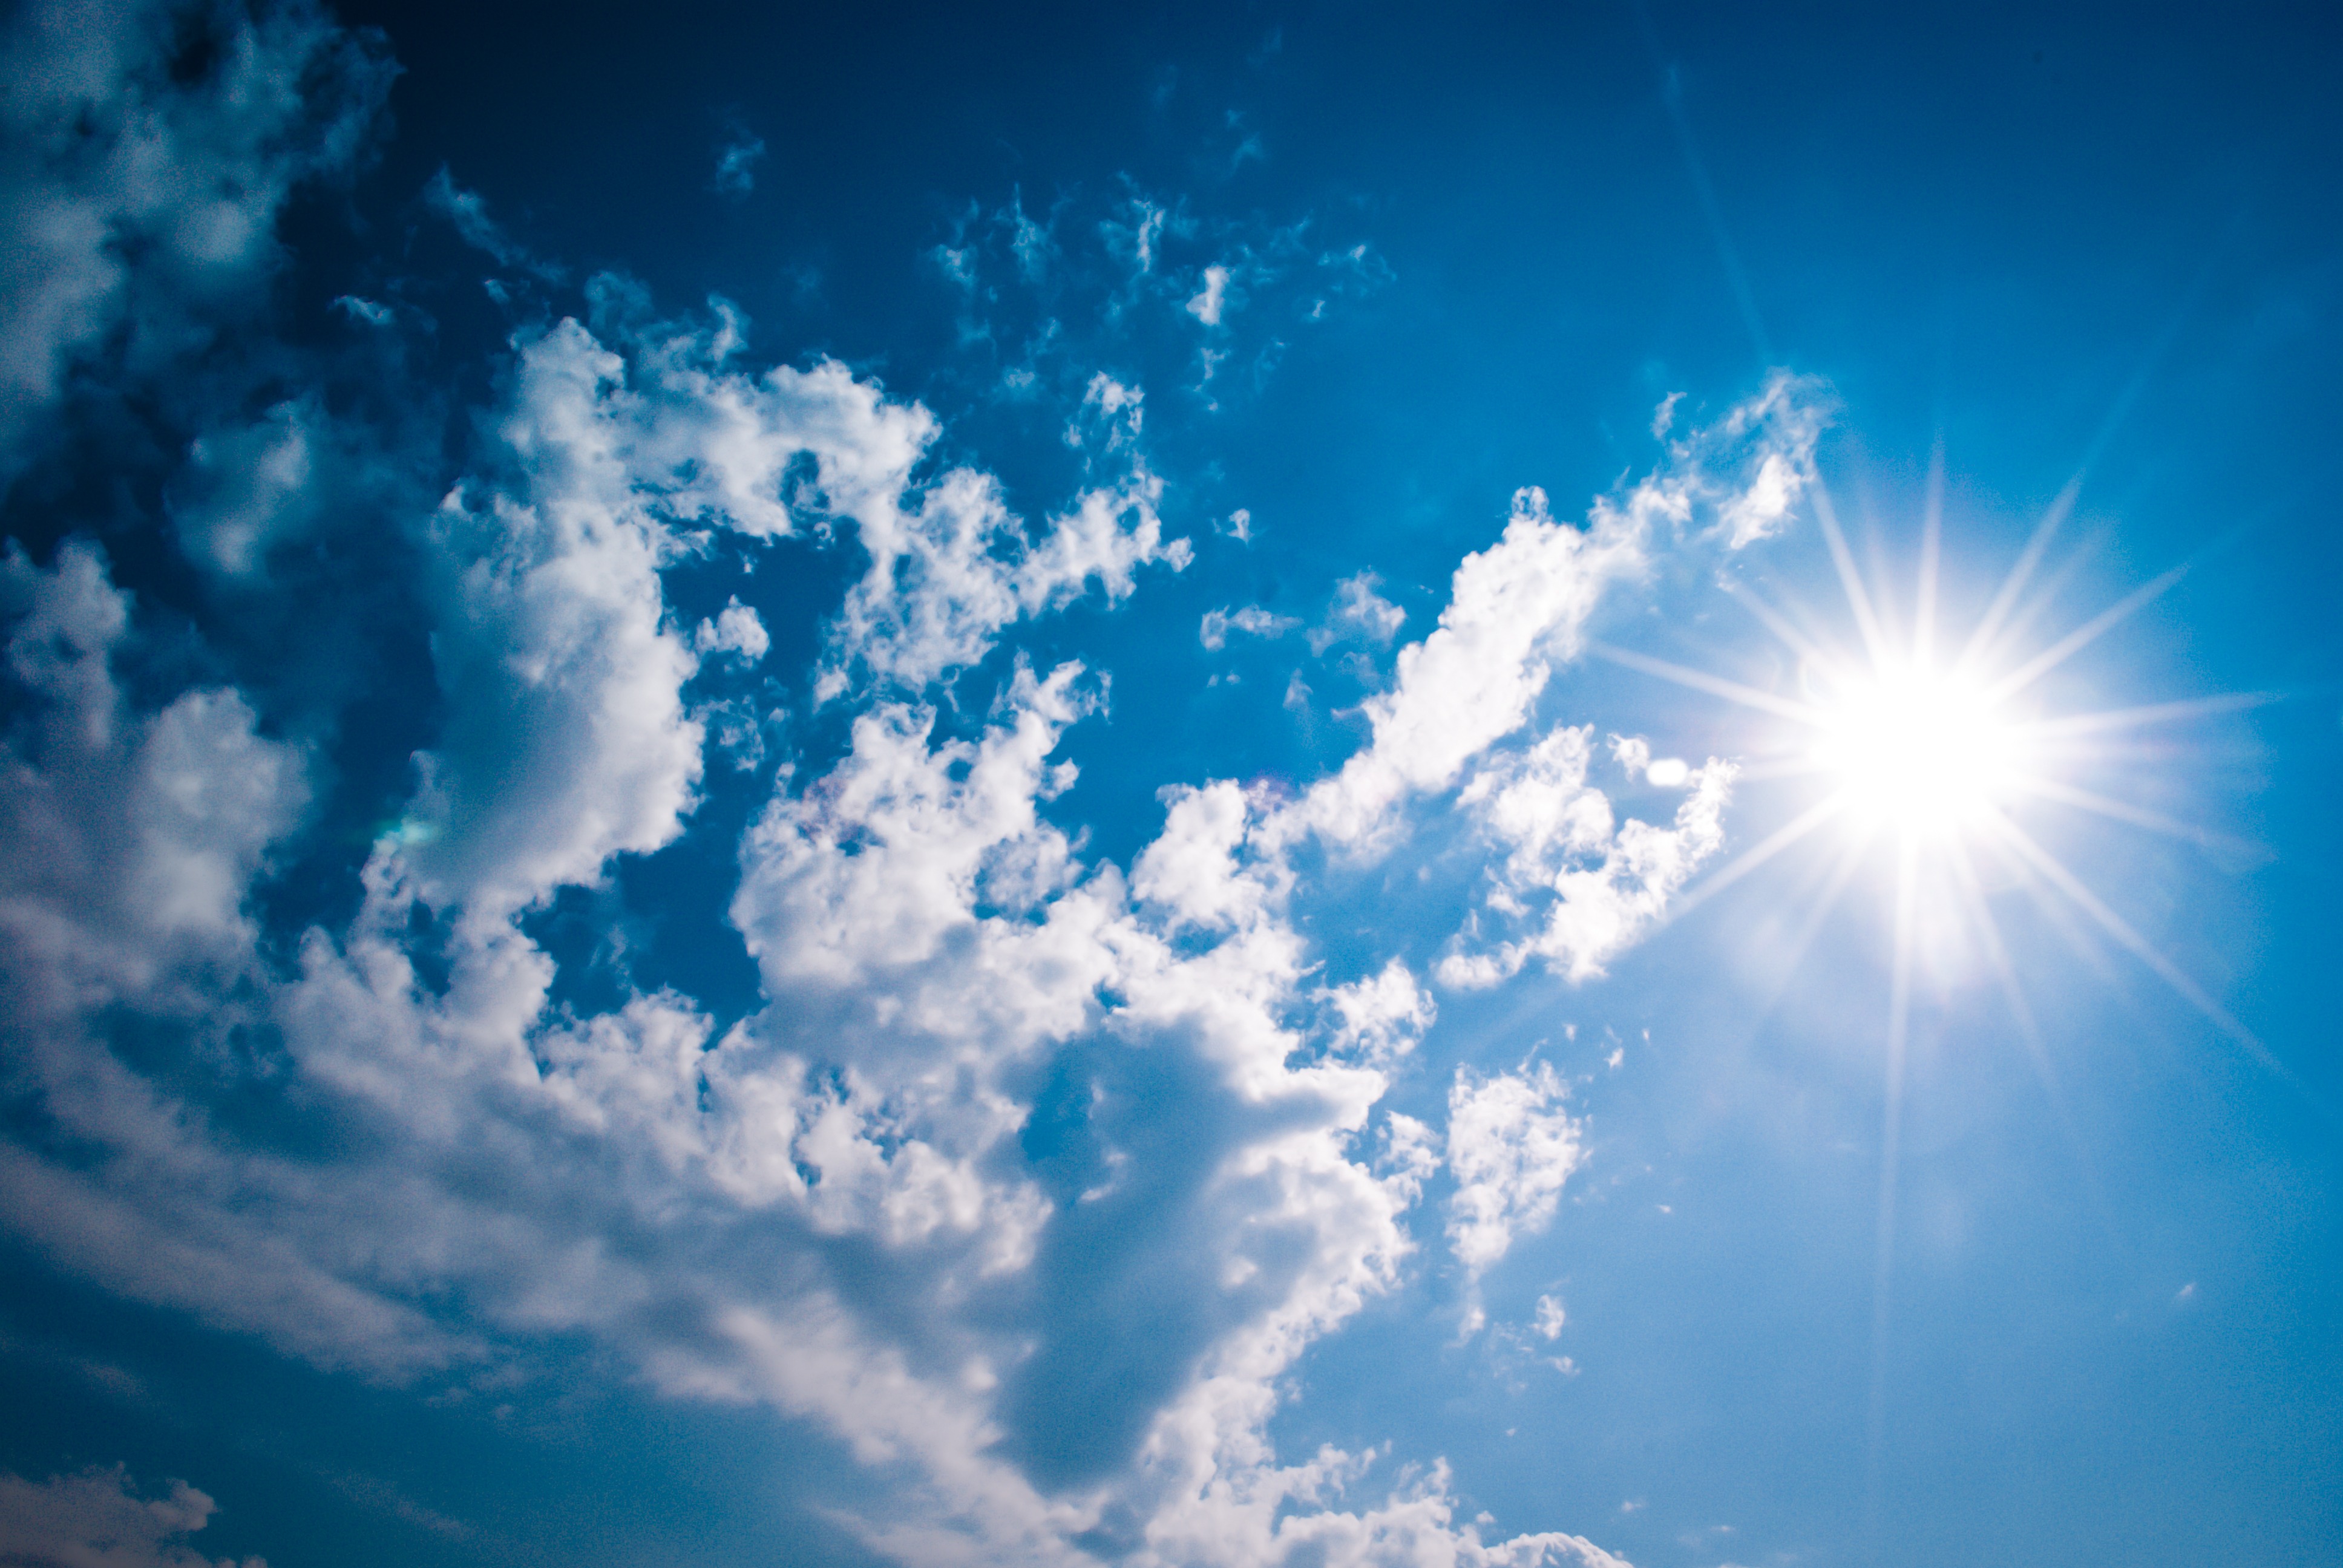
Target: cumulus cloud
x,y
1514,607
551,633
1213,298
96,1519
1358,612
132,837
1250,621
1586,886
1511,1147
248,489
736,630
1522,604
926,940
1111,1132
145,165
951,567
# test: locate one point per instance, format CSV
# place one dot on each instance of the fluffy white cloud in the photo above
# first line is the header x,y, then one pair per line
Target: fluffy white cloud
x,y
1511,1147
1587,888
142,166
1213,298
1358,612
924,937
567,741
1515,607
736,630
97,1520
950,567
1085,1343
131,840
1522,604
1251,620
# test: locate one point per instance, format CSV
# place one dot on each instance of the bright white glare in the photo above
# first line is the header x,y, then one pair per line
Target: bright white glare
x,y
1925,752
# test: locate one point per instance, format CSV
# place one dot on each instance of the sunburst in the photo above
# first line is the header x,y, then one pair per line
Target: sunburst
x,y
1924,754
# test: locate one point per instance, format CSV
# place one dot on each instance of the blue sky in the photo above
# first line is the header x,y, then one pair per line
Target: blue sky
x,y
1239,785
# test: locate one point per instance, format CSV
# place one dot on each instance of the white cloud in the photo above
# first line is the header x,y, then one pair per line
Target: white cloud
x,y
1511,1147
1252,620
96,1519
132,841
246,490
567,741
951,569
467,212
135,195
1381,1016
1587,890
1760,458
736,165
737,631
921,932
1515,606
926,940
1209,301
1358,612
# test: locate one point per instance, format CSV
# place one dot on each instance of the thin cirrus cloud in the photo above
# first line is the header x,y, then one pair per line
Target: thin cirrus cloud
x,y
684,1184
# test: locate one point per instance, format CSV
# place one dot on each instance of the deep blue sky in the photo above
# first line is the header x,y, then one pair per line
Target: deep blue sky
x,y
316,1199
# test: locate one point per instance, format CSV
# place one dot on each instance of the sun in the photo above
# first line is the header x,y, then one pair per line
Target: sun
x,y
1925,752
1935,749
1934,758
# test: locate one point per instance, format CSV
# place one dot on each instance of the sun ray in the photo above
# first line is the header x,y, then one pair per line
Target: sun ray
x,y
2124,811
2083,636
1899,1024
2005,597
1793,764
2005,972
1756,855
1858,601
1715,685
2056,872
1781,626
2034,607
2141,717
1932,545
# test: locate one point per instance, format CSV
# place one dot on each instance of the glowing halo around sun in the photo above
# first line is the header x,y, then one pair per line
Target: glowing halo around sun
x,y
1925,752
1930,754
1928,757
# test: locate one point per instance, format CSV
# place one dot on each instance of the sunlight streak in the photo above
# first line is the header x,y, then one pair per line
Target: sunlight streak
x,y
2083,636
1781,626
2124,811
1715,685
2005,599
1899,1026
2140,718
1858,601
1932,546
1756,855
2005,971
2055,873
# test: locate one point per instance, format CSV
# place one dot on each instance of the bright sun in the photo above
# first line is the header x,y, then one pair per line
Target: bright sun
x,y
1916,749
1931,759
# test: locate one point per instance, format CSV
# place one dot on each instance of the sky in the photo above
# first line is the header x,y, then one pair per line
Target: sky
x,y
1496,787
